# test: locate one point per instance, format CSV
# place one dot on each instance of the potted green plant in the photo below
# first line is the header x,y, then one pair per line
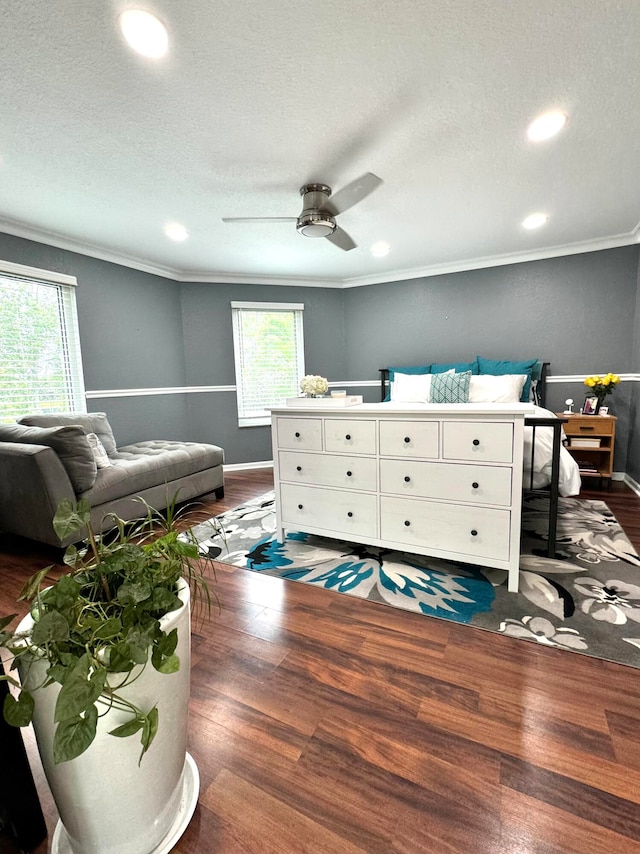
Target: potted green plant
x,y
104,659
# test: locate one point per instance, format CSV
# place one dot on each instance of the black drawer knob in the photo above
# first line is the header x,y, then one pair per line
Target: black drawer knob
x,y
407,439
299,506
348,436
348,474
474,533
298,468
476,442
475,484
407,478
297,435
350,514
407,523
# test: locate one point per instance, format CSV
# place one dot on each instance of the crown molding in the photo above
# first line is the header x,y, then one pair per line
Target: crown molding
x,y
579,248
60,241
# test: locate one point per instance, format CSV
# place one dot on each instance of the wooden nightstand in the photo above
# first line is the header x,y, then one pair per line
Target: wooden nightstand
x,y
591,440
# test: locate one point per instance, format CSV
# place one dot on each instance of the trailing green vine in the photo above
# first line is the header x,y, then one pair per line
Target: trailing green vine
x,y
98,626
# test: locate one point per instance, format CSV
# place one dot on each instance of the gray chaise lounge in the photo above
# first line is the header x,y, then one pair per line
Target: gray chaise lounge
x,y
45,458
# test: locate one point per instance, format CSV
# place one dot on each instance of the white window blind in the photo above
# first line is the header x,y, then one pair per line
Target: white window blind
x,y
269,357
40,361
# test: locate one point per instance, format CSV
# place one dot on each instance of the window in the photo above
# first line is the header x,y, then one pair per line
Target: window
x,y
269,352
40,364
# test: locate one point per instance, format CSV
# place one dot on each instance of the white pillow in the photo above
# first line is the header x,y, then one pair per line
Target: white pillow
x,y
98,451
487,388
411,388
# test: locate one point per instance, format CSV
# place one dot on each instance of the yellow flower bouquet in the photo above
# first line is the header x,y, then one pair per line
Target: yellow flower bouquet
x,y
602,385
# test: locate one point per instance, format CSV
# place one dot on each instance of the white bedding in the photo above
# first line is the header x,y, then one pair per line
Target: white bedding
x,y
569,480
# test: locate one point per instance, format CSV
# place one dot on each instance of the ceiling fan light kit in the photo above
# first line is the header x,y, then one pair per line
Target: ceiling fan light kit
x,y
315,221
315,225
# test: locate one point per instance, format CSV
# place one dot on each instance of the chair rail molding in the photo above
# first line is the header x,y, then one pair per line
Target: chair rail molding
x,y
96,394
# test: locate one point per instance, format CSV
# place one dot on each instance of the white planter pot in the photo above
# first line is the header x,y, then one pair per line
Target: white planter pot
x,y
108,804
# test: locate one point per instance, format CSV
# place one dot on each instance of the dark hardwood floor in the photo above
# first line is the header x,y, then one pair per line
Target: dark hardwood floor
x,y
322,723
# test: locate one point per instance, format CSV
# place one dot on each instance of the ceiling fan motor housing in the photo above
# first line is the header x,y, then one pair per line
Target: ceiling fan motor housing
x,y
314,221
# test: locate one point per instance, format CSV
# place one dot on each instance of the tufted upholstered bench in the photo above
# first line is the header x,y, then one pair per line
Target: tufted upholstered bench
x,y
45,458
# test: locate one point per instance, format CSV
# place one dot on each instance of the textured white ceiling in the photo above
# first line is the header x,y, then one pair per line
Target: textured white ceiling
x,y
100,148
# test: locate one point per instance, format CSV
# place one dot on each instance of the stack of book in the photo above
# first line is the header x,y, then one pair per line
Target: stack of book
x,y
587,468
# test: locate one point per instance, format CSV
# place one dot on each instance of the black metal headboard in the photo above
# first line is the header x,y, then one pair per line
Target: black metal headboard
x,y
538,387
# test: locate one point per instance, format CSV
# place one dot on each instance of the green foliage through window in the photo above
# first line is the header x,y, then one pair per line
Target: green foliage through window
x,y
269,355
40,368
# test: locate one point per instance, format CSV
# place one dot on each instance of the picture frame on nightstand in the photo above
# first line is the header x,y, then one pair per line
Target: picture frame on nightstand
x,y
590,405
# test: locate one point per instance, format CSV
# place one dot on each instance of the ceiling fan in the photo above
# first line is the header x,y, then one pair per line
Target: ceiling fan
x,y
320,209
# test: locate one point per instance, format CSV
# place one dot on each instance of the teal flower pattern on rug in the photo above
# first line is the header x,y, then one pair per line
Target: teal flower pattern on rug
x,y
370,572
584,599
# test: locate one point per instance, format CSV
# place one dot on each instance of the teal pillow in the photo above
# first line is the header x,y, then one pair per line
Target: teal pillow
x,y
450,388
500,367
458,367
536,372
414,369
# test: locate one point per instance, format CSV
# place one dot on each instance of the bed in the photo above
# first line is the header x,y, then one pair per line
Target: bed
x,y
549,469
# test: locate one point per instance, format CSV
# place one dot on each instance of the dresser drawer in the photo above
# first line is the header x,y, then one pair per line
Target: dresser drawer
x,y
301,433
477,440
340,513
329,470
454,482
409,438
353,436
480,531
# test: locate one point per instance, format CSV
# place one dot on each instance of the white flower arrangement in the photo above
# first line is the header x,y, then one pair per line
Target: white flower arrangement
x,y
312,385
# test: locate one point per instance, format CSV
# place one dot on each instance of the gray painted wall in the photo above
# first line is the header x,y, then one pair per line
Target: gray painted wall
x,y
130,334
577,312
633,454
208,346
580,312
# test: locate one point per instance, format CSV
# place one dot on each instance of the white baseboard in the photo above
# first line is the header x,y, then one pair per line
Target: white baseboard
x,y
632,484
264,464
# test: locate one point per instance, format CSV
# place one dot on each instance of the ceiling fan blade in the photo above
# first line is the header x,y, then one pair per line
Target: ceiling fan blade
x,y
259,219
352,193
342,240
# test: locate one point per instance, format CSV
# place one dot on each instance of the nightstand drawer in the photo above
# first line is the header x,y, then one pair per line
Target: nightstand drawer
x,y
590,425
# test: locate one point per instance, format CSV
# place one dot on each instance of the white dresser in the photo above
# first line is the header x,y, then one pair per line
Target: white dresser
x,y
443,480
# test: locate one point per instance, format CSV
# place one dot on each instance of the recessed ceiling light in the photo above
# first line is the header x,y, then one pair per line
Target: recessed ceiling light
x,y
534,220
546,126
380,249
145,33
176,232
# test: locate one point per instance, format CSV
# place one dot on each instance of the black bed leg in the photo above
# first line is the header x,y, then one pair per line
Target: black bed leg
x,y
553,492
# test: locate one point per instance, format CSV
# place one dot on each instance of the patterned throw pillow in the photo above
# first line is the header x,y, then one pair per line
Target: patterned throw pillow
x,y
450,388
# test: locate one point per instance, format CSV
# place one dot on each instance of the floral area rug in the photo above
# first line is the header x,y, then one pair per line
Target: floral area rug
x,y
586,599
